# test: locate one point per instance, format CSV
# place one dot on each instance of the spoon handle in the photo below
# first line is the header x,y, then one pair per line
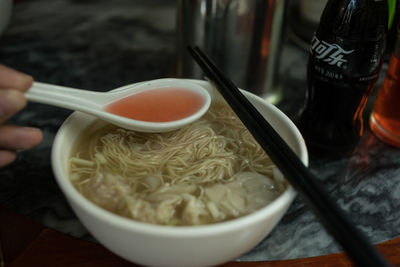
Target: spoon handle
x,y
65,97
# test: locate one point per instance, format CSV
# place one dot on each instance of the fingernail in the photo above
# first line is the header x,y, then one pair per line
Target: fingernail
x,y
25,81
11,101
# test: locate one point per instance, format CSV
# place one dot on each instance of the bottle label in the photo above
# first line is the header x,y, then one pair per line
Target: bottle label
x,y
332,54
349,61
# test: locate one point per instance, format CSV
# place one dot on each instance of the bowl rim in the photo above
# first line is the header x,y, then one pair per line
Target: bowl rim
x,y
113,219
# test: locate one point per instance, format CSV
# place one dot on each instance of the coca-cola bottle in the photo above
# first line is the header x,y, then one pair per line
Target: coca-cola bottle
x,y
344,62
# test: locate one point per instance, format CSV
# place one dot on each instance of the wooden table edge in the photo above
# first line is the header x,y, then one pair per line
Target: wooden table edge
x,y
27,243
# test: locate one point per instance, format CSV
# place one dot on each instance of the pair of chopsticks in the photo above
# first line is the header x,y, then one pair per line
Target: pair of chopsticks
x,y
354,243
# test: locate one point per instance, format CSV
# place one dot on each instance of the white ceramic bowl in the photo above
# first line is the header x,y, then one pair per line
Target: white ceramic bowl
x,y
5,14
155,245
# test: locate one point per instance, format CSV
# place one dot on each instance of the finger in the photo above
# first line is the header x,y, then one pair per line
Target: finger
x,y
7,157
11,101
10,78
16,138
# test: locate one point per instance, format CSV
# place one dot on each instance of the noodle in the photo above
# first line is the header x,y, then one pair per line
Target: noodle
x,y
210,171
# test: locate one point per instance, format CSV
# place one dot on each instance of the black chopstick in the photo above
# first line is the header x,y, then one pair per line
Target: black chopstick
x,y
354,243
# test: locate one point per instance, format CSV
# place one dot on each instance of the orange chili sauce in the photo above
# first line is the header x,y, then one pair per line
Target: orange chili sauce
x,y
157,105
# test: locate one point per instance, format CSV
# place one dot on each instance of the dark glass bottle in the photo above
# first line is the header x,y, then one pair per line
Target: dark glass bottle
x,y
344,62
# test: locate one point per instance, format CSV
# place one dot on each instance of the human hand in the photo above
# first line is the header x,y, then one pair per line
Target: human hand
x,y
13,84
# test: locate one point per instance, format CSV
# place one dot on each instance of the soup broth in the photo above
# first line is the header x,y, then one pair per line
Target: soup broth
x,y
210,171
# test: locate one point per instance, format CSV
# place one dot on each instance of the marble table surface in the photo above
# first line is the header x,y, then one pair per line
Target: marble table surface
x,y
100,45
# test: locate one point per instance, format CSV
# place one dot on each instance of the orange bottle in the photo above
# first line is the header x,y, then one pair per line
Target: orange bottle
x,y
385,117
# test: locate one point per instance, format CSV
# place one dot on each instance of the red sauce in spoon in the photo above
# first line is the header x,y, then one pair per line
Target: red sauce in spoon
x,y
157,105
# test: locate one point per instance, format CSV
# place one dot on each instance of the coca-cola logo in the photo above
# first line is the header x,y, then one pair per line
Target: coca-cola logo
x,y
332,54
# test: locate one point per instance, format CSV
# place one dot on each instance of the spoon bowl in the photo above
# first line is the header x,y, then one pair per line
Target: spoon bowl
x,y
97,103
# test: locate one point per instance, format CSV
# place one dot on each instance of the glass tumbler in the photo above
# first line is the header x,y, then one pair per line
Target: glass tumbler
x,y
385,116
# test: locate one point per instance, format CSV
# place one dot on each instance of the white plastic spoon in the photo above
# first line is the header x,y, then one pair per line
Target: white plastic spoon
x,y
171,94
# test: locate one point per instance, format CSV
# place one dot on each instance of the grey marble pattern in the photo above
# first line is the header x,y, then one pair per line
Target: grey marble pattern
x,y
100,45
